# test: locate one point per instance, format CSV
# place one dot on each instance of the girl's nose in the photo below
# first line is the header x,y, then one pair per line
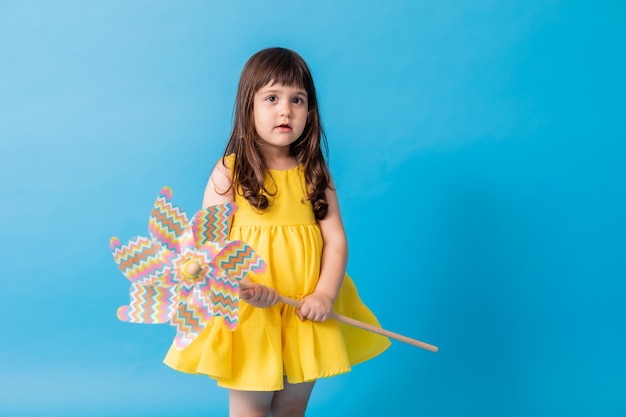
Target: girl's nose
x,y
285,110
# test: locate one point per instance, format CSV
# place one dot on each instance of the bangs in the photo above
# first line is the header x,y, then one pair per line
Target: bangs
x,y
290,77
283,67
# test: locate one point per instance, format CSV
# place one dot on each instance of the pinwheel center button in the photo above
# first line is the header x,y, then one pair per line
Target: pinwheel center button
x,y
191,268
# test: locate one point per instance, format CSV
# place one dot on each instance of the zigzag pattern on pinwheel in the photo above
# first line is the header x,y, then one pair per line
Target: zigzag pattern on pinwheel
x,y
191,297
186,242
149,304
236,259
225,299
141,260
189,322
212,223
167,221
202,291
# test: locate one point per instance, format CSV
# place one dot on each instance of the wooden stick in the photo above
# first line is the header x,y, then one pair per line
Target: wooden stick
x,y
192,268
356,323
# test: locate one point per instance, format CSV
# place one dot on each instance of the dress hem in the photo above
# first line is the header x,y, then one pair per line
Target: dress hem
x,y
222,384
221,381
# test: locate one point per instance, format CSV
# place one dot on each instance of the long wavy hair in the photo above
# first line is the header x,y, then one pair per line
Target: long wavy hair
x,y
281,66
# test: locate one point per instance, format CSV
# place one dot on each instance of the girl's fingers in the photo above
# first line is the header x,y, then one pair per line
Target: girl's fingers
x,y
273,298
259,296
247,294
312,312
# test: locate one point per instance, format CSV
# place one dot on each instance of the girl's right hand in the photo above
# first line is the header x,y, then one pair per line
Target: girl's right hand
x,y
259,295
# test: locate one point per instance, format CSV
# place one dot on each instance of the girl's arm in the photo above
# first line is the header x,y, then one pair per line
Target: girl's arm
x,y
219,191
319,305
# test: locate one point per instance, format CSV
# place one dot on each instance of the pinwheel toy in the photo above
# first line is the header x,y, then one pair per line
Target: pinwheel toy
x,y
162,290
188,271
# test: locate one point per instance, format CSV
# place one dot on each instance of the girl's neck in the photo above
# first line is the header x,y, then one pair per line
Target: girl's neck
x,y
282,165
279,160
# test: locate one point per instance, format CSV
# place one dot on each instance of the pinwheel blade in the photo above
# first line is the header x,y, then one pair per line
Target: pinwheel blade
x,y
149,304
212,224
236,259
167,222
225,299
186,242
191,316
141,260
229,266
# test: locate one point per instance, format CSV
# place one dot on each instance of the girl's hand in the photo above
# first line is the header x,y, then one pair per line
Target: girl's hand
x,y
315,307
259,295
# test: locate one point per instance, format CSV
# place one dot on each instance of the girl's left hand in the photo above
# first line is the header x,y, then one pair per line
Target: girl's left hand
x,y
316,307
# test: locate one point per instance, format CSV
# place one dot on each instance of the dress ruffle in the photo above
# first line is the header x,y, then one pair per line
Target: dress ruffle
x,y
273,342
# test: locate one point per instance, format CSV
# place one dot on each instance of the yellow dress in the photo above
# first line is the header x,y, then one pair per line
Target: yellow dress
x,y
271,342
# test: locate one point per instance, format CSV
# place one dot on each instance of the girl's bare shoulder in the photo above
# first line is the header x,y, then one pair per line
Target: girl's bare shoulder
x,y
219,188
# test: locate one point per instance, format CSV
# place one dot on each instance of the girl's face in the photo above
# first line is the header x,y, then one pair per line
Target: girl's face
x,y
280,115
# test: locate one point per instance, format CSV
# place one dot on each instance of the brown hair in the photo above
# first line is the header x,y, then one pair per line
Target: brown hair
x,y
282,66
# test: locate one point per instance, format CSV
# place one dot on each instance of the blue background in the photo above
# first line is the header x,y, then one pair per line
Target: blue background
x,y
478,148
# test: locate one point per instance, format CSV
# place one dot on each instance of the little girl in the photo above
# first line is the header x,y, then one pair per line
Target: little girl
x,y
274,169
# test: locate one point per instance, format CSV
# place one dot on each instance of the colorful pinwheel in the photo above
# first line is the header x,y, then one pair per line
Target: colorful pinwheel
x,y
162,288
188,271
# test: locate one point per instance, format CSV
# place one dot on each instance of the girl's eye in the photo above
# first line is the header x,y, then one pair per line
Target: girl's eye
x,y
271,99
298,100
